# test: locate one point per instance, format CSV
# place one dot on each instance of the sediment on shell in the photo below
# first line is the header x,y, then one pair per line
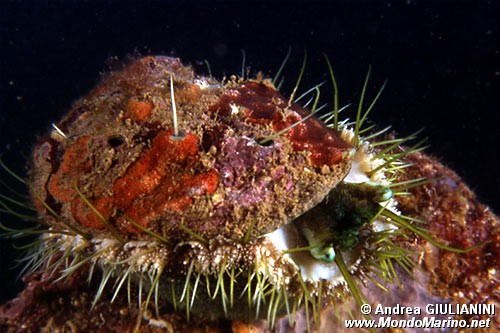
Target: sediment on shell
x,y
119,164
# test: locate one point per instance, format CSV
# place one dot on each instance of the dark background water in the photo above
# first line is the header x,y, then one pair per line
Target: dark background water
x,y
441,60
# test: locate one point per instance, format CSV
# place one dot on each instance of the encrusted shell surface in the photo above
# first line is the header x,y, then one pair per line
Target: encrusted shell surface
x,y
115,153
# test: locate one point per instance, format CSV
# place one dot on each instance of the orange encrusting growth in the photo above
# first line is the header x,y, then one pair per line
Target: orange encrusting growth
x,y
138,110
148,171
166,177
87,217
74,163
171,196
165,174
